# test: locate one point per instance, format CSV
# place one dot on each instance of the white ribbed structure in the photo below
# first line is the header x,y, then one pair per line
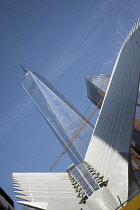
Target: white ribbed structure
x,y
46,191
108,151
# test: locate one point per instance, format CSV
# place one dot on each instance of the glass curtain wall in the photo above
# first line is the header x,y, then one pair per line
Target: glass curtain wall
x,y
61,116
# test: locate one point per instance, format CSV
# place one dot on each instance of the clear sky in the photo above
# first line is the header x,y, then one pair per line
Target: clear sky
x,y
65,41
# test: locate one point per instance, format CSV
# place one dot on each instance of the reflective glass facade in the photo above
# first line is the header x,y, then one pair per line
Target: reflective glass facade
x,y
83,179
61,116
97,83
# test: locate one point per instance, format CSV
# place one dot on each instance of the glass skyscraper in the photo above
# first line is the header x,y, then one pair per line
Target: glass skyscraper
x,y
61,116
95,84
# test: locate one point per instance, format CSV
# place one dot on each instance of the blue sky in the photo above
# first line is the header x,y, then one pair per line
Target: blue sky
x,y
65,41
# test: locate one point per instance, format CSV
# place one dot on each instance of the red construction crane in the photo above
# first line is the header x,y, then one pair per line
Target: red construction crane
x,y
138,159
136,123
135,156
77,132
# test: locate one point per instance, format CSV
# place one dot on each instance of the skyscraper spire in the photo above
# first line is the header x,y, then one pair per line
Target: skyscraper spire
x,y
22,67
57,111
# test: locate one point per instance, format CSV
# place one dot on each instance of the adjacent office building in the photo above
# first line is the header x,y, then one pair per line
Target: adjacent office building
x,y
95,84
105,178
96,89
6,203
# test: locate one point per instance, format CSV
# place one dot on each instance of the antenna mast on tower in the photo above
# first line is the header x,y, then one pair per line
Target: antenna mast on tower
x,y
22,67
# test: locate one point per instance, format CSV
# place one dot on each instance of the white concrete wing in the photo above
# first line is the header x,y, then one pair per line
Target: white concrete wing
x,y
108,151
46,191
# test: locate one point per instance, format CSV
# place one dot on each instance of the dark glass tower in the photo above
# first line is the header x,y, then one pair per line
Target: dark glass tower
x,y
61,116
95,84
